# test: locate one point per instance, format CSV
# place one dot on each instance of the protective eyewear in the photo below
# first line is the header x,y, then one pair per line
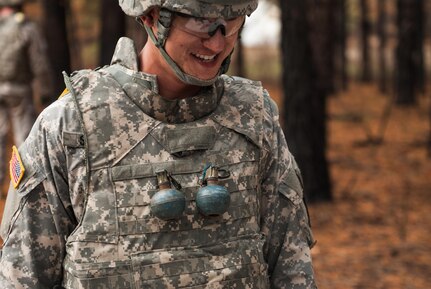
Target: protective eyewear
x,y
207,27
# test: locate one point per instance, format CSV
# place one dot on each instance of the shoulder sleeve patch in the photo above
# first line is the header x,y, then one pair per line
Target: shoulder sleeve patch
x,y
16,167
65,91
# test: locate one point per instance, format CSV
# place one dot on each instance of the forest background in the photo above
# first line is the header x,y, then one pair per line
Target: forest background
x,y
352,81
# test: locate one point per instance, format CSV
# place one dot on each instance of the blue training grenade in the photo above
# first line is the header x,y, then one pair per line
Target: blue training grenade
x,y
212,199
168,203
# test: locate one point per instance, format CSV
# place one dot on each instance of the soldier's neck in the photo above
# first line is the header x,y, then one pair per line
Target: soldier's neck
x,y
174,89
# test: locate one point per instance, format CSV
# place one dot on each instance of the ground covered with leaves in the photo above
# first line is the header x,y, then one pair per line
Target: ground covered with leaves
x,y
376,232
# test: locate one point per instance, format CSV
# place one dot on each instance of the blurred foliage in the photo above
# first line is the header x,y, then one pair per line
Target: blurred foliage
x,y
84,26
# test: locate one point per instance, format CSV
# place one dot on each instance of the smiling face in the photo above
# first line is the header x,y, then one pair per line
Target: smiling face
x,y
199,57
200,45
196,52
188,58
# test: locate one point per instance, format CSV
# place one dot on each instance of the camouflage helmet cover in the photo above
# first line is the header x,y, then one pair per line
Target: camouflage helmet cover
x,y
198,8
11,2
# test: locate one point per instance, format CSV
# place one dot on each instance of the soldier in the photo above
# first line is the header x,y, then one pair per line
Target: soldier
x,y
159,171
22,59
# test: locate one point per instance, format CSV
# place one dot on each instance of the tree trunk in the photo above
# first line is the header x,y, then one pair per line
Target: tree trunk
x,y
420,22
321,27
365,28
54,27
113,22
304,100
409,52
135,31
340,51
381,23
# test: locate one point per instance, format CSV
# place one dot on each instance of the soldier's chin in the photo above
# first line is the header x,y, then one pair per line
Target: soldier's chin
x,y
206,72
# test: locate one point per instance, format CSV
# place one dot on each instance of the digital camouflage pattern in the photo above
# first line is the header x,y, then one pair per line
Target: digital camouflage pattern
x,y
80,218
199,8
22,59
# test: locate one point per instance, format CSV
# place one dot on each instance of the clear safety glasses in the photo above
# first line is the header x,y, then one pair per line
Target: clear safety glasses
x,y
207,27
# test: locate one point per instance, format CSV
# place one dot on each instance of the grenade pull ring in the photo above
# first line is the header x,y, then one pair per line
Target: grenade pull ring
x,y
212,199
167,203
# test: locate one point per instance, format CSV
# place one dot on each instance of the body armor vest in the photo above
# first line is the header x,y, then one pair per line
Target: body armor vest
x,y
119,243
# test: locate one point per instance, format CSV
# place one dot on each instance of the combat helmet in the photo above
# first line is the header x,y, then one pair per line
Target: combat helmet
x,y
226,9
198,8
11,2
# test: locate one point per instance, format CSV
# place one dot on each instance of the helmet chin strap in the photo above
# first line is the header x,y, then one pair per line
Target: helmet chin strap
x,y
163,26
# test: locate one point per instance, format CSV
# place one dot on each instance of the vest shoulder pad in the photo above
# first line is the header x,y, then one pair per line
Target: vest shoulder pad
x,y
241,107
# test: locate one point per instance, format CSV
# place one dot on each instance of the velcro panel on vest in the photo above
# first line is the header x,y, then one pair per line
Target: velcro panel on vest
x,y
176,140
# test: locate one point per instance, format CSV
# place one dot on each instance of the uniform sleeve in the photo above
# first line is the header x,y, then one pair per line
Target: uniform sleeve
x,y
38,215
285,220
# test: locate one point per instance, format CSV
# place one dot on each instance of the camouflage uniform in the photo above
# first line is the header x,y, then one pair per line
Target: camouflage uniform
x,y
22,58
81,218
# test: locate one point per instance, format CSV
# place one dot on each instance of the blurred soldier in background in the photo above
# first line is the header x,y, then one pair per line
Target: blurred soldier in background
x,y
160,171
22,59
